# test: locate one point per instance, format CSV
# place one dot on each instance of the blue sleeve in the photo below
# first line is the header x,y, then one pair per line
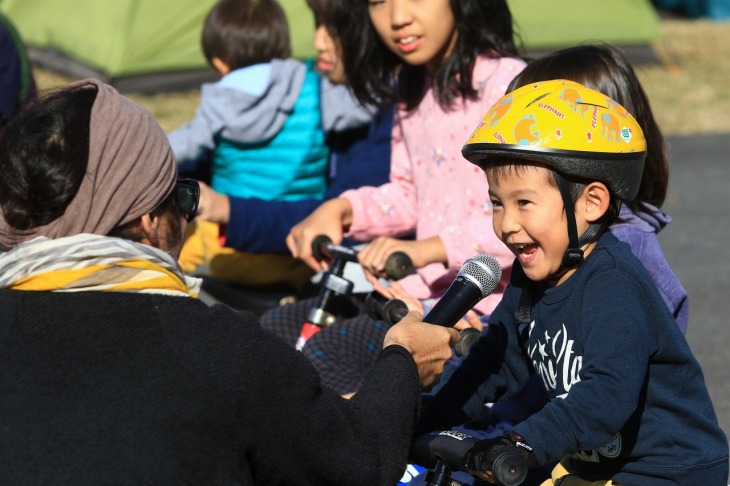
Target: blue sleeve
x,y
10,75
361,157
261,226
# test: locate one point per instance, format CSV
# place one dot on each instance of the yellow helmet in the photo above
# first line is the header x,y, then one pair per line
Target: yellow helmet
x,y
573,129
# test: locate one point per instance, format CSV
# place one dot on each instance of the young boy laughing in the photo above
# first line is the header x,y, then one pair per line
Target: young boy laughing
x,y
628,402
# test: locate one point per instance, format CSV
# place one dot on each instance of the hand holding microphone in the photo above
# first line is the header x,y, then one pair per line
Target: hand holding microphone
x,y
478,277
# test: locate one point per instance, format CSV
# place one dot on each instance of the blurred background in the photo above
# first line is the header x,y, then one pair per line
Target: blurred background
x,y
150,50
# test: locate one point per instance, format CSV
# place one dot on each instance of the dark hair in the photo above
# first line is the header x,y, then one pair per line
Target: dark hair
x,y
484,29
331,15
246,32
44,156
324,11
45,153
604,68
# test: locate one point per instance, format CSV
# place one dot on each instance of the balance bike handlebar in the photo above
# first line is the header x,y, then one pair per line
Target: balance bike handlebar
x,y
397,265
450,447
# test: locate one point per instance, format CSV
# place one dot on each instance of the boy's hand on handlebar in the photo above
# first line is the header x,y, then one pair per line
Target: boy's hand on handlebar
x,y
328,219
480,459
429,345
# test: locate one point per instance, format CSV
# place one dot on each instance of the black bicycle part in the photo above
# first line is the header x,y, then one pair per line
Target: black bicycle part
x,y
440,475
332,283
391,311
466,339
379,307
445,451
509,469
397,265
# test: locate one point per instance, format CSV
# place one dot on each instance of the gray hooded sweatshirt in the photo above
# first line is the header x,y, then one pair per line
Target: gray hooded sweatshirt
x,y
251,105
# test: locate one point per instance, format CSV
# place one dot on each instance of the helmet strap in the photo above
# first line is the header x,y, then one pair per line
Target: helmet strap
x,y
573,255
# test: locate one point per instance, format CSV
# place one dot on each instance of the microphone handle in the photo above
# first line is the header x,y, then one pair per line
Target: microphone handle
x,y
460,297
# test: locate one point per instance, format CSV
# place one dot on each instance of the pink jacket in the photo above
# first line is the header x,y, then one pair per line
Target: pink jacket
x,y
434,190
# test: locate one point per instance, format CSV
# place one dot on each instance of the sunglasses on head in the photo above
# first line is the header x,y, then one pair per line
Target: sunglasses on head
x,y
187,197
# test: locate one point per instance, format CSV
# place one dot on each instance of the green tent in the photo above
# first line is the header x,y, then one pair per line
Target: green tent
x,y
545,24
153,45
137,45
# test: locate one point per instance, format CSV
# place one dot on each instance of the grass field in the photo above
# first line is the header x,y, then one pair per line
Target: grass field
x,y
689,88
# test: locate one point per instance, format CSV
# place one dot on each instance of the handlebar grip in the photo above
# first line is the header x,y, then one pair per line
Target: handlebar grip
x,y
450,446
509,469
379,307
466,339
398,265
319,247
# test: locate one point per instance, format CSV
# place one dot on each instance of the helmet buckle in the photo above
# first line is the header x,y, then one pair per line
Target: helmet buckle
x,y
573,257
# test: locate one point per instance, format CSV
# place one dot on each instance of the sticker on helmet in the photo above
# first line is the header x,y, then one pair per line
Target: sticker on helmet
x,y
626,134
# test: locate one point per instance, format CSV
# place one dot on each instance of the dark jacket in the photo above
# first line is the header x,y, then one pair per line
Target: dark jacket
x,y
115,388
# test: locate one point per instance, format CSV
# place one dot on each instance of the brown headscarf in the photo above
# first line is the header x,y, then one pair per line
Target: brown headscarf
x,y
131,170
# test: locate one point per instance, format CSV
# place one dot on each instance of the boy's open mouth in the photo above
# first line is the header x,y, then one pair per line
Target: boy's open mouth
x,y
525,249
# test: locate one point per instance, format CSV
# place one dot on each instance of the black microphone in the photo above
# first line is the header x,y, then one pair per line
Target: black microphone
x,y
478,277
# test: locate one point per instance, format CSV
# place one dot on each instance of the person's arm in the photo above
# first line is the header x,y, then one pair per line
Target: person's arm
x,y
341,110
294,431
390,209
258,225
253,224
495,369
228,108
193,141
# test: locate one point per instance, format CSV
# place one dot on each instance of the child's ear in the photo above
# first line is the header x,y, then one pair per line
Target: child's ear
x,y
220,66
594,201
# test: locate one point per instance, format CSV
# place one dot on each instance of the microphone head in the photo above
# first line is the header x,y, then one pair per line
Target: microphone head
x,y
484,270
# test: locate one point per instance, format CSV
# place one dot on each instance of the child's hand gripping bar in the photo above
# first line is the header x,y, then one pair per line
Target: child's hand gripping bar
x,y
447,450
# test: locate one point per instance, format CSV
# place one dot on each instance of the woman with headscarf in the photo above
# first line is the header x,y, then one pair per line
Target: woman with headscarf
x,y
111,373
